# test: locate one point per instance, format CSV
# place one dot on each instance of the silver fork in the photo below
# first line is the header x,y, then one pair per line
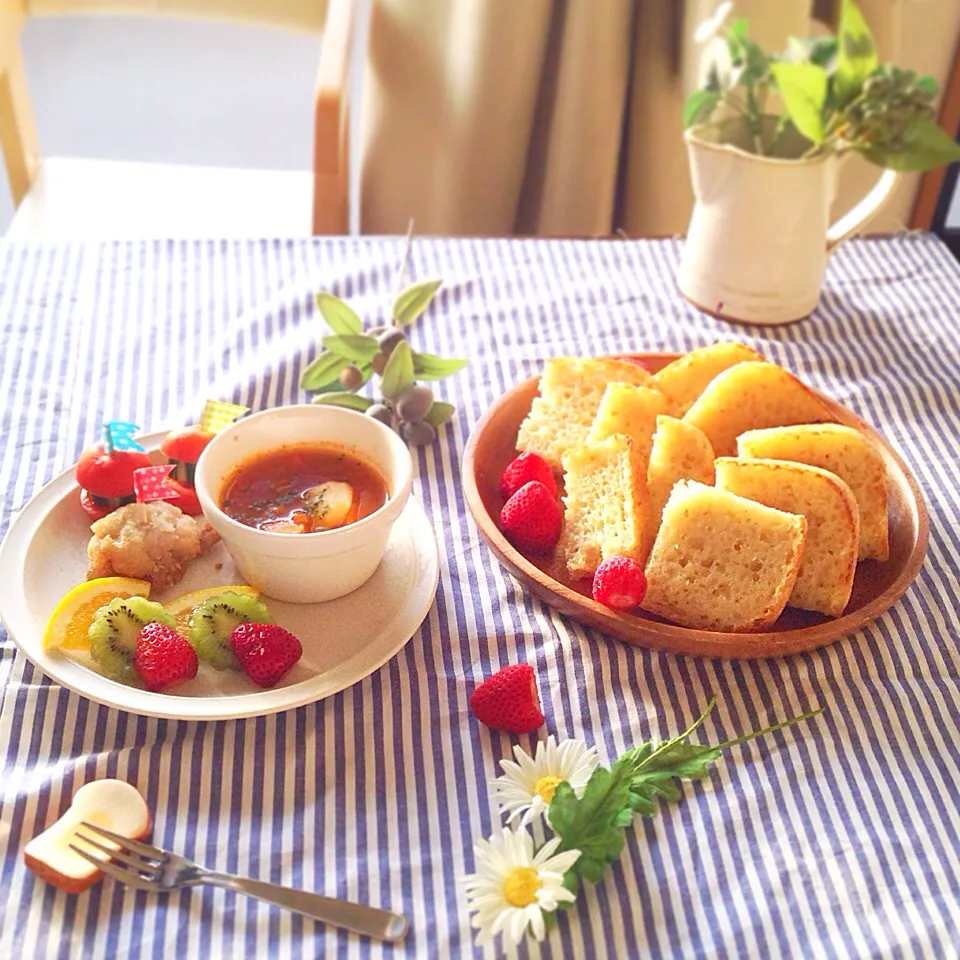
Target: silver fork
x,y
145,867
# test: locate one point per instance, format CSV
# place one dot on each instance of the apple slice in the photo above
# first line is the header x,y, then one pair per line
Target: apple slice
x,y
112,804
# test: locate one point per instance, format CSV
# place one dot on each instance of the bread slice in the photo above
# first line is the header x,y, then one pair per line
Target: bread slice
x,y
683,380
749,396
631,411
570,393
680,452
721,562
829,560
605,512
843,451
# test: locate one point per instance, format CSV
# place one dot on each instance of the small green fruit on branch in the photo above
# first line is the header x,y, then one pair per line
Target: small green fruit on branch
x,y
351,358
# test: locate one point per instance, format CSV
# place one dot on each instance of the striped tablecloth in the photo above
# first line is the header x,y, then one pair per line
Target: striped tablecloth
x,y
837,839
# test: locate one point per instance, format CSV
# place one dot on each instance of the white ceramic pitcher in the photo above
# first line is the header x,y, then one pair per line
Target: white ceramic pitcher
x,y
757,247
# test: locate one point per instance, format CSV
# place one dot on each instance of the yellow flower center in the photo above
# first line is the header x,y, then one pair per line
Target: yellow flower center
x,y
546,786
521,885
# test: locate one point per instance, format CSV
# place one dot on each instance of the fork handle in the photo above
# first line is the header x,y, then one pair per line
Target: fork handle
x,y
369,921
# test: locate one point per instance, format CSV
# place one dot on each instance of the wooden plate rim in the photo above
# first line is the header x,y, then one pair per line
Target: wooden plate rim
x,y
658,635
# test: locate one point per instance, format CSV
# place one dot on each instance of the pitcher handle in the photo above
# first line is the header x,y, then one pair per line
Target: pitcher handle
x,y
851,221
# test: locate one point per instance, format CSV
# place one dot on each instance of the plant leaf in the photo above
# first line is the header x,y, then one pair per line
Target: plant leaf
x,y
344,399
413,300
322,371
803,87
928,85
397,375
819,50
699,107
439,413
426,366
339,316
925,146
354,347
856,53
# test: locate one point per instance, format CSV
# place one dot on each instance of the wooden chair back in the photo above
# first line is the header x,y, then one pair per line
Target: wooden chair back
x,y
18,136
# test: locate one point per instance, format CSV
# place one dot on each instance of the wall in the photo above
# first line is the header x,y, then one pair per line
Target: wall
x,y
918,34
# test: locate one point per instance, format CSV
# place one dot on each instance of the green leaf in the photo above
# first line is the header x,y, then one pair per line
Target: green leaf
x,y
803,87
339,316
439,413
925,146
929,86
856,53
354,347
412,301
323,371
426,366
738,29
699,107
397,375
344,399
819,50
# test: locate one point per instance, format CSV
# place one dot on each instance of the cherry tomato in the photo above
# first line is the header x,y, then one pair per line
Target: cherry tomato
x,y
109,475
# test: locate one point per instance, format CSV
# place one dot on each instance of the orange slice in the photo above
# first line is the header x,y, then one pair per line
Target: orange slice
x,y
182,608
70,621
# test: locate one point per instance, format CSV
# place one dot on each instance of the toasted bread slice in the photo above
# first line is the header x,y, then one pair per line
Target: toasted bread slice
x,y
829,561
631,411
721,562
680,452
843,451
751,395
683,380
570,393
605,511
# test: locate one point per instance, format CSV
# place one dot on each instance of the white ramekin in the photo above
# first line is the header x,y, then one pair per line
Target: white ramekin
x,y
312,567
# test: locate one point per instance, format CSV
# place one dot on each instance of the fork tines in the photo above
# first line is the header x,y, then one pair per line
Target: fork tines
x,y
131,862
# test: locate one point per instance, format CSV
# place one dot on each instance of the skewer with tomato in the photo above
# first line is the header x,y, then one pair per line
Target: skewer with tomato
x,y
182,447
106,478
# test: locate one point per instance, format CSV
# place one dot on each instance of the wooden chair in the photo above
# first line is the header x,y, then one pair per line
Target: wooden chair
x,y
65,198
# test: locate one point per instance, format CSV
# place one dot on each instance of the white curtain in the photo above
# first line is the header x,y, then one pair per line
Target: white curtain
x,y
533,116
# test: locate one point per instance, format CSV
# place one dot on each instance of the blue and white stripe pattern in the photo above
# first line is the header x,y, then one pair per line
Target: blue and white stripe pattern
x,y
840,838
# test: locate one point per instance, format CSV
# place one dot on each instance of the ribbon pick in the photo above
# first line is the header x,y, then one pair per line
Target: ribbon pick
x,y
118,435
219,414
150,483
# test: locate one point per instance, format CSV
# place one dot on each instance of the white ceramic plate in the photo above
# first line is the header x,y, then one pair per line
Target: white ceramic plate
x,y
44,555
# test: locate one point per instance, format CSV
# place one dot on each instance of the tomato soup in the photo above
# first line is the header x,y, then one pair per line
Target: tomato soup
x,y
303,488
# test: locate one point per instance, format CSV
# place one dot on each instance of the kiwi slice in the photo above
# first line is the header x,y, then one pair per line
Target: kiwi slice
x,y
216,618
114,631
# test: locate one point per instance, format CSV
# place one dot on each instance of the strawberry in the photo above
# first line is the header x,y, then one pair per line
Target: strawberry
x,y
523,469
163,657
508,700
619,583
531,518
265,650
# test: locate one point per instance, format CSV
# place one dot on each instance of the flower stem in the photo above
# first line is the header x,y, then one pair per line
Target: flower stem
x,y
766,730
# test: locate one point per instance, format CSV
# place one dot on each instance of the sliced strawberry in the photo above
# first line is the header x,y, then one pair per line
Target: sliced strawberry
x,y
508,700
163,657
265,651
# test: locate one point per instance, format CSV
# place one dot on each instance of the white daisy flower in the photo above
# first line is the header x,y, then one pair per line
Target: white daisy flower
x,y
513,887
527,786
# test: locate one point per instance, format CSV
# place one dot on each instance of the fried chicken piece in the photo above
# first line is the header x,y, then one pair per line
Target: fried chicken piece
x,y
150,541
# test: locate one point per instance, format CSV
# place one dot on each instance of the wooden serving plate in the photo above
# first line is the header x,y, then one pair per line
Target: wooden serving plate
x,y
877,585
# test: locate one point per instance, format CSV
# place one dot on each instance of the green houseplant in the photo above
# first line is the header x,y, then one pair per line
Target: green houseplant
x,y
765,135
